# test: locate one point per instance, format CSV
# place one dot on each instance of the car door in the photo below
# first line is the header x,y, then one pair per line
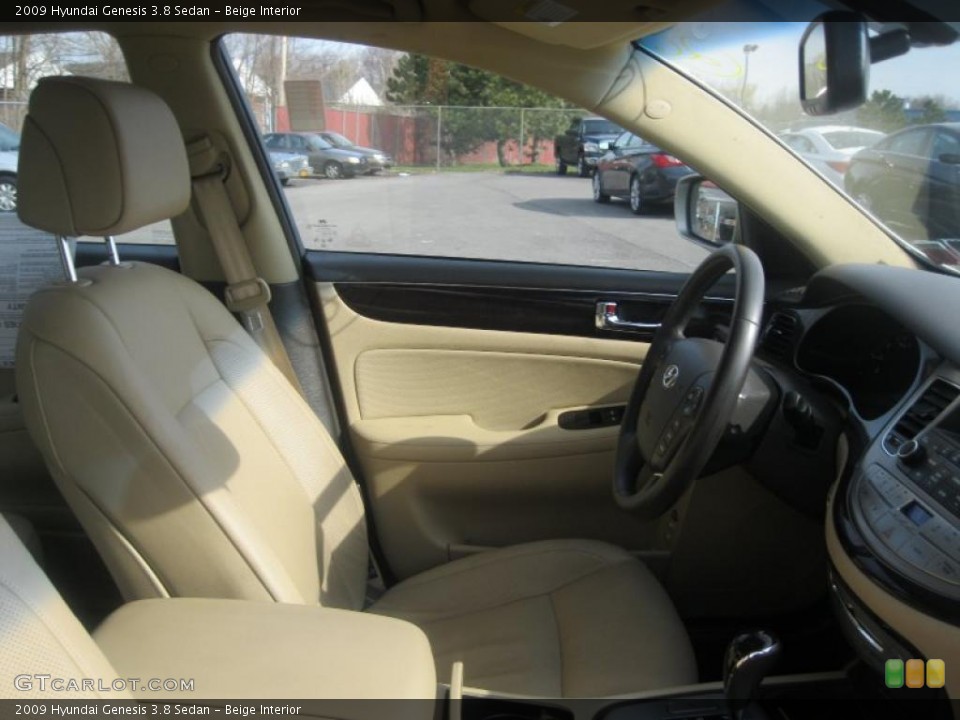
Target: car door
x,y
943,185
570,142
900,185
616,167
480,400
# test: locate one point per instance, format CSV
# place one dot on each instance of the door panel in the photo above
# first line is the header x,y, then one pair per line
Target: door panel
x,y
453,376
456,431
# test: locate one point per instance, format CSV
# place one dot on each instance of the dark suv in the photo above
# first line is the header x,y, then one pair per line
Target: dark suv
x,y
583,143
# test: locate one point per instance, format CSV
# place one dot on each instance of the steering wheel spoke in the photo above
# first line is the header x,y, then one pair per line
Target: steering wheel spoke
x,y
687,389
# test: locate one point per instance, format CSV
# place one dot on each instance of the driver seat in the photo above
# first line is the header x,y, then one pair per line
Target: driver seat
x,y
198,471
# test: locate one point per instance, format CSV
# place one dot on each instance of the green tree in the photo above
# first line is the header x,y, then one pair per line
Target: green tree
x,y
884,111
479,106
931,110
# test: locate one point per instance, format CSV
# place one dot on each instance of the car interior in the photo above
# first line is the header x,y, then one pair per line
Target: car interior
x,y
492,488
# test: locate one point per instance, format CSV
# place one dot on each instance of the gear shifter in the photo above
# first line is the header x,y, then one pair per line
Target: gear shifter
x,y
749,658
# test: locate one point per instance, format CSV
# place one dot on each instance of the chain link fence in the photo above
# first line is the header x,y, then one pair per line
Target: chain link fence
x,y
439,136
449,136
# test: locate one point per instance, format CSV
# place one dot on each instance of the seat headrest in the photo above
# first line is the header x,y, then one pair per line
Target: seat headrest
x,y
99,158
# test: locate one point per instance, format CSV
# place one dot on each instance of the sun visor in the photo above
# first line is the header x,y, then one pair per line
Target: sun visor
x,y
585,24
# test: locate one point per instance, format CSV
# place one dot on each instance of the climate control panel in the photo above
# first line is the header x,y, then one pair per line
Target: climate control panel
x,y
908,508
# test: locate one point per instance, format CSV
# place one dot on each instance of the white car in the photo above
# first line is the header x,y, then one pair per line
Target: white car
x,y
829,147
9,154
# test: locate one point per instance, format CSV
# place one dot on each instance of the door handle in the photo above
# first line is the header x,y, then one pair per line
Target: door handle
x,y
607,318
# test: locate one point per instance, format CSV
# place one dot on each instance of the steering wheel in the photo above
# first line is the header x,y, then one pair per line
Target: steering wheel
x,y
687,389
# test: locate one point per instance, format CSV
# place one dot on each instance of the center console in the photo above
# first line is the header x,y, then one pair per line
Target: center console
x,y
905,499
893,533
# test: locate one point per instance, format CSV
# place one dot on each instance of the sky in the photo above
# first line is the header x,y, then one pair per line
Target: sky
x,y
714,53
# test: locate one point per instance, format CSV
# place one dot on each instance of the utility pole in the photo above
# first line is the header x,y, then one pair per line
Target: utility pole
x,y
439,131
523,134
747,50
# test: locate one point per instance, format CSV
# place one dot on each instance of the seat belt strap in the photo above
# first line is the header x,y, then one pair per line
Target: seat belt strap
x,y
247,294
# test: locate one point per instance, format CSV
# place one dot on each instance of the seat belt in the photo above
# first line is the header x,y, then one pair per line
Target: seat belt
x,y
247,294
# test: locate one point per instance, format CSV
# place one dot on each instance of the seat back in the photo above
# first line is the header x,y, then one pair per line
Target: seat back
x,y
46,651
192,463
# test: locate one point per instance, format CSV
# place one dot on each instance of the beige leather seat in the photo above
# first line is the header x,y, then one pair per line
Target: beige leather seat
x,y
198,471
47,653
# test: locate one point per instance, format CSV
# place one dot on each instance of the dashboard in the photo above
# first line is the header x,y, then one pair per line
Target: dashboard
x,y
865,353
881,346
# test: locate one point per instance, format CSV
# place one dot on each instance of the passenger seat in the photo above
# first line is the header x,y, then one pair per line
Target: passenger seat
x,y
226,649
41,637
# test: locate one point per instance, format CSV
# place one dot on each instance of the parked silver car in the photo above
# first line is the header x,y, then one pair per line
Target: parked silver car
x,y
327,160
377,160
290,165
9,154
829,147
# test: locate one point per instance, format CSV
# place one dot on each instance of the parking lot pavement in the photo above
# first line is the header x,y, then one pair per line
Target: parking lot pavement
x,y
525,217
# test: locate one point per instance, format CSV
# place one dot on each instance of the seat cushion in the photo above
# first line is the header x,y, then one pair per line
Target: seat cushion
x,y
560,618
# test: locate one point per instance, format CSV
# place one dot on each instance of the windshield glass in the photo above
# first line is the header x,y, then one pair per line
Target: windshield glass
x,y
887,155
315,142
337,139
601,127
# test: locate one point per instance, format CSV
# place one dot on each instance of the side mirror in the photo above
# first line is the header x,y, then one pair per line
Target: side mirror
x,y
704,212
834,63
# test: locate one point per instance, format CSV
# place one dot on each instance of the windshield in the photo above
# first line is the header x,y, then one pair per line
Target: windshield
x,y
337,139
887,155
600,127
315,142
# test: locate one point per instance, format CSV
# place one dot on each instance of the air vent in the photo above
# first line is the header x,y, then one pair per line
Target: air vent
x,y
780,336
934,400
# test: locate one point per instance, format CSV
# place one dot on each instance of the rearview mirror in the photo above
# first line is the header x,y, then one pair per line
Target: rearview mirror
x,y
704,212
834,63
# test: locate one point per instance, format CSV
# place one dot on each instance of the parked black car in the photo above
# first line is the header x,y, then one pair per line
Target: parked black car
x,y
377,160
324,158
636,170
583,143
911,181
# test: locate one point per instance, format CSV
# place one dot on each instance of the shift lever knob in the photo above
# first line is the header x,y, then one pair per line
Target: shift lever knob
x,y
749,658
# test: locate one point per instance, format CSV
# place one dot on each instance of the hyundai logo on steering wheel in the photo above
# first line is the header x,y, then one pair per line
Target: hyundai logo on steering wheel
x,y
670,376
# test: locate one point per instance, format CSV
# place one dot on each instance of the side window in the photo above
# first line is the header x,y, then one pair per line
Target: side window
x,y
273,142
913,142
945,144
446,161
